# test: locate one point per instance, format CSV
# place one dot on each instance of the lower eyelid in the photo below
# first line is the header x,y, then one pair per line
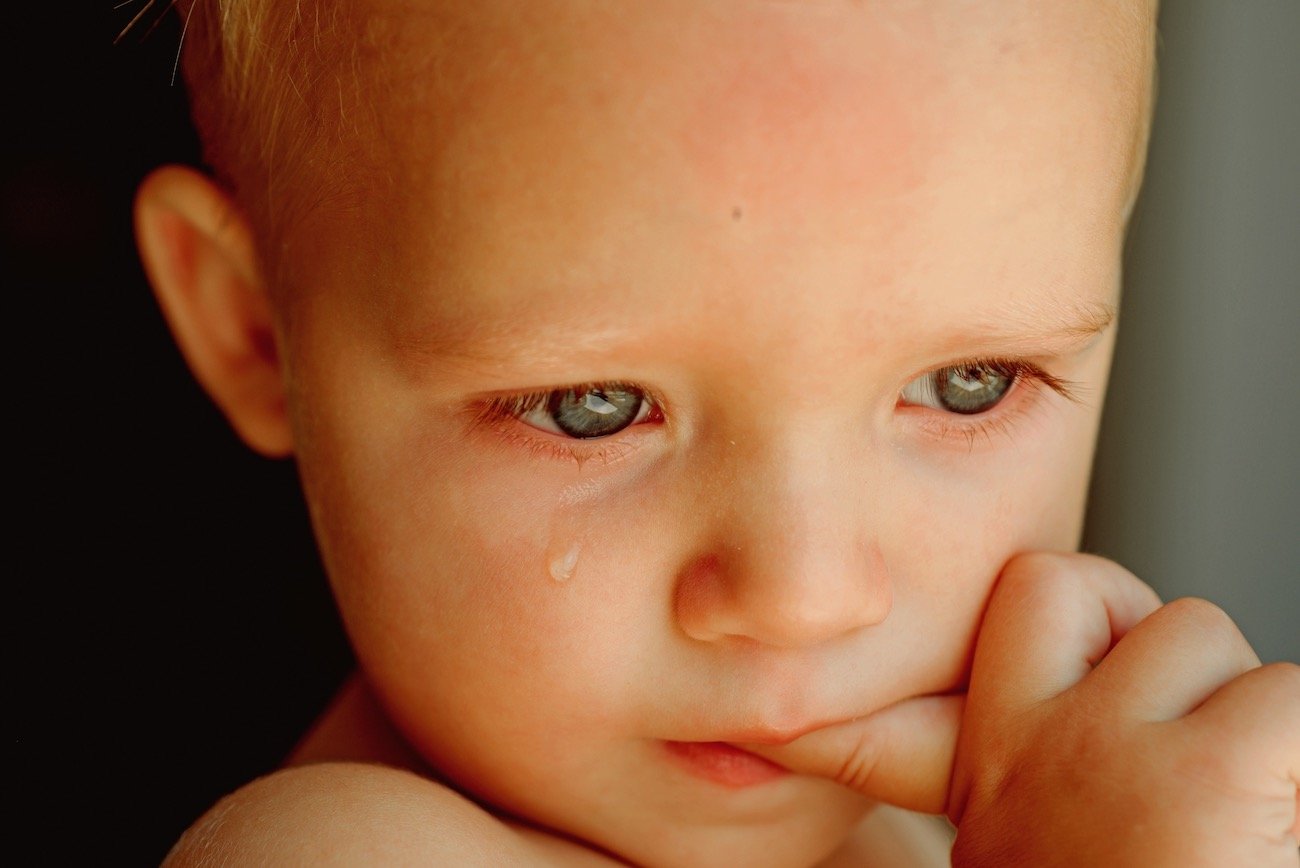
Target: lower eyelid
x,y
568,450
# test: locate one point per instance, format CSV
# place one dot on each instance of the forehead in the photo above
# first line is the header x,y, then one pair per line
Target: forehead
x,y
567,151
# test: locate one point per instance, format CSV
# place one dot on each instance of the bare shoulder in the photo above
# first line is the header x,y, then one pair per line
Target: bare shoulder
x,y
341,813
354,793
355,814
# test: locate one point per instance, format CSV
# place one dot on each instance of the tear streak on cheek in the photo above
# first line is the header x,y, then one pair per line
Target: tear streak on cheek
x,y
527,543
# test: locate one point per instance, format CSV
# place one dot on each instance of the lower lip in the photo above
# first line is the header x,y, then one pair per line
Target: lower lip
x,y
724,764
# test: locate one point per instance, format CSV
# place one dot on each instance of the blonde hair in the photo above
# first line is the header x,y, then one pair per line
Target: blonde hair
x,y
259,73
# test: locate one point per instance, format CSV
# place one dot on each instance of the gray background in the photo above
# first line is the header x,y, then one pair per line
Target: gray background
x,y
1197,484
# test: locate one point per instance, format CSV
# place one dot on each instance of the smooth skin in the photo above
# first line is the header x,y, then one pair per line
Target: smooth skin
x,y
774,218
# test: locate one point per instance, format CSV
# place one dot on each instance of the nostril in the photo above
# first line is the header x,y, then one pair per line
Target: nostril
x,y
698,600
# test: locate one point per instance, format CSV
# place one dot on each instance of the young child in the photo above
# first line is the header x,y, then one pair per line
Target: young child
x,y
689,397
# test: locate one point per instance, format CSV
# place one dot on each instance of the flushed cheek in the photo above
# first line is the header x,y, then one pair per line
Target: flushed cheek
x,y
946,544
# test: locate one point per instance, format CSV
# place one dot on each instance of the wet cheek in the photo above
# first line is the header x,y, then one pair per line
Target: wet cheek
x,y
494,568
456,551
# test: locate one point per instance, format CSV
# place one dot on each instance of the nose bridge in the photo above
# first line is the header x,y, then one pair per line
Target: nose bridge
x,y
793,484
792,558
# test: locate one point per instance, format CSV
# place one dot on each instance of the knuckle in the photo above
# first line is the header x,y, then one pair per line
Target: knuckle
x,y
1057,571
1213,628
1284,676
860,765
1030,565
1039,591
1037,574
1201,615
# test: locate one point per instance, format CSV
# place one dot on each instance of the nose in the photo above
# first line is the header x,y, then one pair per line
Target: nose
x,y
792,562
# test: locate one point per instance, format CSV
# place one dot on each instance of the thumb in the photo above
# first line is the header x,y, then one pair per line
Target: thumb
x,y
901,754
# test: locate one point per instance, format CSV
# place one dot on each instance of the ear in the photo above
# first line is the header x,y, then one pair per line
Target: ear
x,y
199,254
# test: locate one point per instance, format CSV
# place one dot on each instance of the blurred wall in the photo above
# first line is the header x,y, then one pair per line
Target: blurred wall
x,y
1197,484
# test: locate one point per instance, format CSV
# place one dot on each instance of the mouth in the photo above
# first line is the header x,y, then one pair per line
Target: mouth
x,y
724,764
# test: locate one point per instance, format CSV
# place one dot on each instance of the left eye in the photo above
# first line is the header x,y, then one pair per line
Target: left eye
x,y
967,389
588,412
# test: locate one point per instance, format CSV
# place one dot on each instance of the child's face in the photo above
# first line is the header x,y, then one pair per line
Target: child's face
x,y
769,218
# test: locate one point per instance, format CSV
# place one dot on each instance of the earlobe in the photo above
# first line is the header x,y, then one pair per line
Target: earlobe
x,y
199,254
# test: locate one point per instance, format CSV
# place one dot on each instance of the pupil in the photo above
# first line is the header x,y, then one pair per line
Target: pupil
x,y
597,412
972,389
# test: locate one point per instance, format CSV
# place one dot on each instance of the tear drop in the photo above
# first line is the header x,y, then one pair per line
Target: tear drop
x,y
563,566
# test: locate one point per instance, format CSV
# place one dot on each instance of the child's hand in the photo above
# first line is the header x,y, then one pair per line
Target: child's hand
x,y
1099,729
1176,749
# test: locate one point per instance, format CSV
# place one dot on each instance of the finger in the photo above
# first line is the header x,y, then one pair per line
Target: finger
x,y
1050,619
1172,661
1256,717
901,754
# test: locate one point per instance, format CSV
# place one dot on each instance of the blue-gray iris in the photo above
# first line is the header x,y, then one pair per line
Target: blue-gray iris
x,y
971,389
594,412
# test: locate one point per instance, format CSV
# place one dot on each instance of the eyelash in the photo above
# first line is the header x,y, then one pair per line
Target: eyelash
x,y
503,413
1026,377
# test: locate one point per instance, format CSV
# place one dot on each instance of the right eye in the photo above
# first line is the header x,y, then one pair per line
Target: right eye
x,y
967,389
585,412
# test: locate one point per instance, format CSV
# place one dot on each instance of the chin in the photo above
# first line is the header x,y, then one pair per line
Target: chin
x,y
800,839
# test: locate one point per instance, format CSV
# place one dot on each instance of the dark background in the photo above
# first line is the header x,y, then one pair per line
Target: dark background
x,y
172,632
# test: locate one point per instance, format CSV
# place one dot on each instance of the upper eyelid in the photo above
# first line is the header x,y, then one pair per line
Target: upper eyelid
x,y
541,393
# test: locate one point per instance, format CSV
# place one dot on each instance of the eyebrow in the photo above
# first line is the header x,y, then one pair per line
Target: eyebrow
x,y
1056,324
516,339
1051,327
